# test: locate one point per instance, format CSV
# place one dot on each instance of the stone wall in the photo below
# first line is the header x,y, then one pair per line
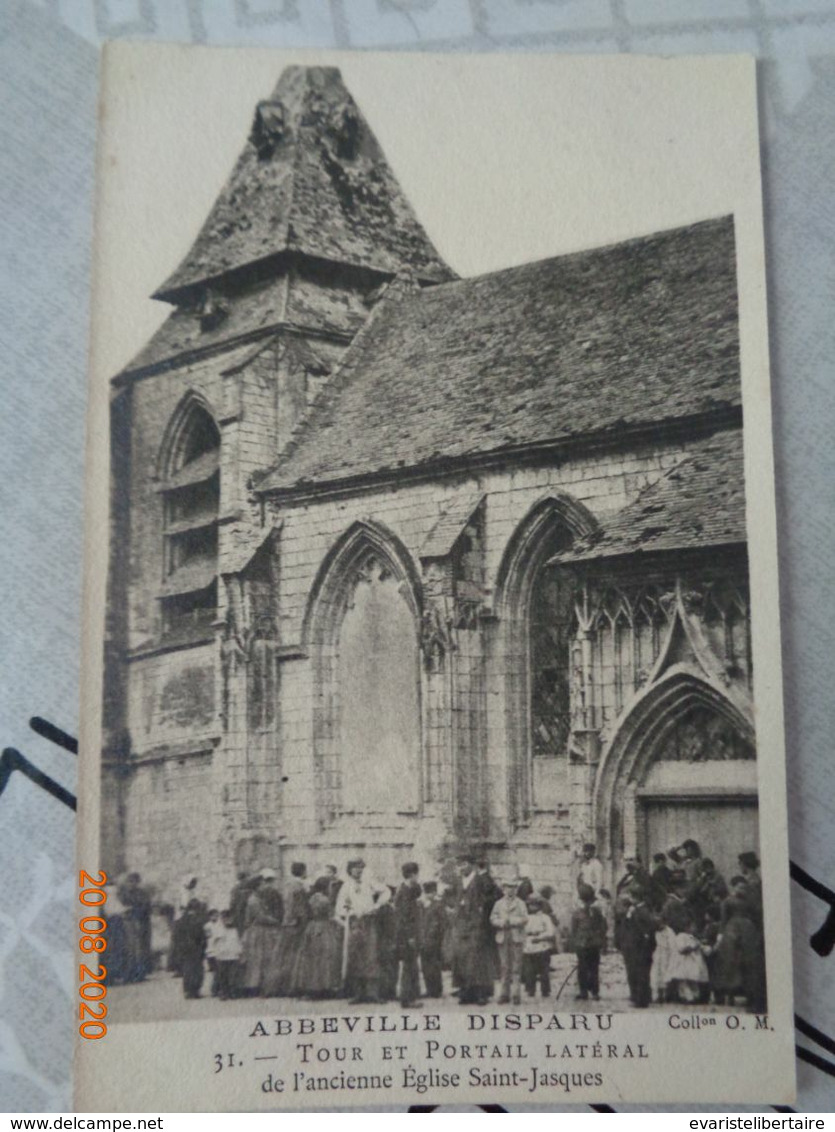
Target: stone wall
x,y
251,793
169,829
465,706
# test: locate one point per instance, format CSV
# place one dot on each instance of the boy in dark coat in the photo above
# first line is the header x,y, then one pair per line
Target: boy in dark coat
x,y
661,876
737,968
407,933
433,929
749,864
707,890
588,938
387,948
637,943
190,941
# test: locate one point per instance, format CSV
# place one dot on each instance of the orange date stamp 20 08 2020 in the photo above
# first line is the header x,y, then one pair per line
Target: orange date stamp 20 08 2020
x,y
92,1009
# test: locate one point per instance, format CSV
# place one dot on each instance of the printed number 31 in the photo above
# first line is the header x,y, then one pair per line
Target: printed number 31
x,y
229,1062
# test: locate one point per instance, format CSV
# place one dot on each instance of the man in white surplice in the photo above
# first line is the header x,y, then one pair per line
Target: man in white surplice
x,y
356,907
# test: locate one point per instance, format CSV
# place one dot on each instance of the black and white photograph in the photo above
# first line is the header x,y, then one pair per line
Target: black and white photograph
x,y
430,625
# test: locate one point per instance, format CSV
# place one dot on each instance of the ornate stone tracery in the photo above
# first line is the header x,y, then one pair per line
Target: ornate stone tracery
x,y
702,735
436,637
622,627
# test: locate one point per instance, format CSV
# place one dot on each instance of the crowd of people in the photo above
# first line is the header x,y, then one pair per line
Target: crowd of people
x,y
685,935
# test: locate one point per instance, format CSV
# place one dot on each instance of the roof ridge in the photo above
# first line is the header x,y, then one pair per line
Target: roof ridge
x,y
291,191
578,253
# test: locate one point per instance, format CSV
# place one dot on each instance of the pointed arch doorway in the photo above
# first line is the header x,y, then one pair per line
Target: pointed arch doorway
x,y
682,765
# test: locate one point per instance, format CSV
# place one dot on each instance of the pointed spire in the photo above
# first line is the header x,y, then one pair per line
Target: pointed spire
x,y
312,179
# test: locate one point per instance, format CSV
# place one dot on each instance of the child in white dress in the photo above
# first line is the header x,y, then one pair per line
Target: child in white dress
x,y
689,968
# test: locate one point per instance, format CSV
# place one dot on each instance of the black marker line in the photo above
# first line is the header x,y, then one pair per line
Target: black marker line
x,y
818,1062
492,1108
12,760
810,884
810,1031
823,940
602,1108
54,734
783,1108
422,1107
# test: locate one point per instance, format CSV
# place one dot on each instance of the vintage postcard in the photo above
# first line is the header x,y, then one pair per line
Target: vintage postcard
x,y
432,736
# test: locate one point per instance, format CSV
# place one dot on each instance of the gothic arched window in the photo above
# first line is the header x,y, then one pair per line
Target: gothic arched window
x,y
191,502
536,603
363,630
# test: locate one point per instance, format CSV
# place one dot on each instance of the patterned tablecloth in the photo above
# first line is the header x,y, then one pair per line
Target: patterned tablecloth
x,y
48,80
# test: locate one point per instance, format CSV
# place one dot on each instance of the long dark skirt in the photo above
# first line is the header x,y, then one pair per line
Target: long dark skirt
x,y
363,950
318,969
260,956
364,974
473,962
280,977
192,968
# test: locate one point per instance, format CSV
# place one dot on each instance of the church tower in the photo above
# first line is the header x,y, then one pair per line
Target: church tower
x,y
283,273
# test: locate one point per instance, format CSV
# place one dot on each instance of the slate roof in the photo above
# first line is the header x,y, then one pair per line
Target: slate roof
x,y
223,358
313,179
245,545
250,312
444,535
699,502
191,576
636,333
